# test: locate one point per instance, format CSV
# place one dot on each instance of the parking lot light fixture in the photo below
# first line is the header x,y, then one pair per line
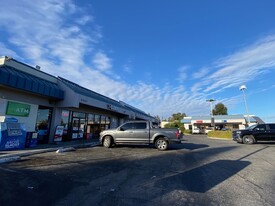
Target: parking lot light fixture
x,y
211,112
242,88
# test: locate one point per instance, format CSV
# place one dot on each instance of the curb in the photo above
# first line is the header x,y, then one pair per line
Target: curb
x,y
9,159
219,138
15,157
65,149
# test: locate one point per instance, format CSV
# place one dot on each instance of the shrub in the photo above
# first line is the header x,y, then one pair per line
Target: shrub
x,y
220,134
188,131
182,128
176,124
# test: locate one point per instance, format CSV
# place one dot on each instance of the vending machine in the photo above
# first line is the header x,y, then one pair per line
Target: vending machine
x,y
12,134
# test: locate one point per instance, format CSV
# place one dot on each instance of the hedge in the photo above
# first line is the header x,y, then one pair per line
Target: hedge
x,y
220,134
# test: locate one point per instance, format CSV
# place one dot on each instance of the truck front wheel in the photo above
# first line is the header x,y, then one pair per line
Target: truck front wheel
x,y
248,139
161,144
107,142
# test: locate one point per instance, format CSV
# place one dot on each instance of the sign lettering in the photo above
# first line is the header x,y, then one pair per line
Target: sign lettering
x,y
18,109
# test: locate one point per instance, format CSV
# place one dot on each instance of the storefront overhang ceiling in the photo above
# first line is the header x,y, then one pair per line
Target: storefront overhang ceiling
x,y
11,77
110,104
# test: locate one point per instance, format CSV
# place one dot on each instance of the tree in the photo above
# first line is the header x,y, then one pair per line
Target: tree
x,y
220,109
178,116
157,118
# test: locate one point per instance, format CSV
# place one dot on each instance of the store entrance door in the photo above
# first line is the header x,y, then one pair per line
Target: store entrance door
x,y
43,124
78,126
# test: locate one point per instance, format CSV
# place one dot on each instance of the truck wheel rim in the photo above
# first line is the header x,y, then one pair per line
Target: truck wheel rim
x,y
247,140
161,144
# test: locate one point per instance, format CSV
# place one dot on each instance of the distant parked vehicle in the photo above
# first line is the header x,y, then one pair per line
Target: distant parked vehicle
x,y
208,129
196,130
254,133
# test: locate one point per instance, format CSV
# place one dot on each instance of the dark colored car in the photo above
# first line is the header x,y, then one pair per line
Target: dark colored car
x,y
254,133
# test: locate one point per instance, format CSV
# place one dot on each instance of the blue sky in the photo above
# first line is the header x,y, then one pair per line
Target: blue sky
x,y
160,56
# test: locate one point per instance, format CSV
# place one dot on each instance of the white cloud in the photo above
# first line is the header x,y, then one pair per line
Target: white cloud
x,y
182,73
7,52
201,73
243,66
102,62
84,20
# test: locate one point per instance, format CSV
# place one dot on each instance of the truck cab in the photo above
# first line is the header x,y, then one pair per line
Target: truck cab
x,y
254,133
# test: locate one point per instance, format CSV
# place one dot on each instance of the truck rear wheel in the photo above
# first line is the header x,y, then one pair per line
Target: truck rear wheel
x,y
248,139
107,142
161,144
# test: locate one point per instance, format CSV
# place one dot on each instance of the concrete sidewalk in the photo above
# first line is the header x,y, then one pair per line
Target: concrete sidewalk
x,y
13,155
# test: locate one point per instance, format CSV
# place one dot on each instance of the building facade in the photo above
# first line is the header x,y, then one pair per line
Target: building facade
x,y
47,105
220,122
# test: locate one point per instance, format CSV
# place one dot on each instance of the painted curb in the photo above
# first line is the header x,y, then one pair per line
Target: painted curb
x,y
9,159
15,157
219,138
65,149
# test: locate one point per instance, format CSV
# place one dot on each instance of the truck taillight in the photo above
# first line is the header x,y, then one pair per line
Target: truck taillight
x,y
177,134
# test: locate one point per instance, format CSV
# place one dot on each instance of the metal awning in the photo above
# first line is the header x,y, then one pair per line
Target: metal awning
x,y
14,78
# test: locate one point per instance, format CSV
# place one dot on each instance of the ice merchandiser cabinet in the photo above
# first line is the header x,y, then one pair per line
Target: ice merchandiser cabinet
x,y
12,135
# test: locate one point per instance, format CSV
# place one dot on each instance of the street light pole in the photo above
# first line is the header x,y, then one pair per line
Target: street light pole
x,y
242,88
211,112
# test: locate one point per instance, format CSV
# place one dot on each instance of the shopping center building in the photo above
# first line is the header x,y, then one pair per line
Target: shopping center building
x,y
55,108
220,122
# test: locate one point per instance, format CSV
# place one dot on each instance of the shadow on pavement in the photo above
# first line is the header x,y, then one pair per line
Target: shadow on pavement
x,y
189,146
204,178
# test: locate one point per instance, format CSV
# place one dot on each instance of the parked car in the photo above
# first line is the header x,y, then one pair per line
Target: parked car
x,y
140,132
196,130
254,133
208,129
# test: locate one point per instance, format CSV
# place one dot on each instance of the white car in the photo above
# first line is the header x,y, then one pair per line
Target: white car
x,y
196,131
208,129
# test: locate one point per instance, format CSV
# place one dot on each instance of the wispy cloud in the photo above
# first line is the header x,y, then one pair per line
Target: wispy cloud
x,y
182,73
201,73
243,66
102,62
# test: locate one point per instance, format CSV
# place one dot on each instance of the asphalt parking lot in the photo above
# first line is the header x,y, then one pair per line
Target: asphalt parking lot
x,y
201,171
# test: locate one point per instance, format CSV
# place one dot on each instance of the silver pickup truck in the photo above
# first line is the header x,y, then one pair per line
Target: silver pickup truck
x,y
140,132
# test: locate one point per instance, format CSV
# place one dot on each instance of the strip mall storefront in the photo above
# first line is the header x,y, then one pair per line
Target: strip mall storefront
x,y
231,122
55,109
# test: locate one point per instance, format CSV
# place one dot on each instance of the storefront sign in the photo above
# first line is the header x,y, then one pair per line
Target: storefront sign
x,y
18,109
58,133
199,121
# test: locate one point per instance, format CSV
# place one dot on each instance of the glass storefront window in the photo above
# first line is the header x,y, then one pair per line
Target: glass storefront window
x,y
103,119
82,125
65,118
97,119
108,120
79,114
91,119
43,123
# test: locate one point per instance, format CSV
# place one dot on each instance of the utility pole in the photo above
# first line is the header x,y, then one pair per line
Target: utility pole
x,y
242,88
211,112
